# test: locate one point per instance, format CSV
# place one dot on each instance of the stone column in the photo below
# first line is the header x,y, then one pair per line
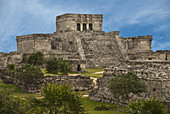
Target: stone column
x,y
81,26
87,25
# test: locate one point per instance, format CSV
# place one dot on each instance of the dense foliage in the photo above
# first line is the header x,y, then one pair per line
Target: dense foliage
x,y
103,107
151,106
57,65
36,58
57,99
124,84
29,73
11,69
11,104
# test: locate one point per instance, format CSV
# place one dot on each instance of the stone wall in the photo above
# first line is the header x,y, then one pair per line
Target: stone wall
x,y
77,83
3,59
15,58
156,77
32,42
162,54
101,49
138,47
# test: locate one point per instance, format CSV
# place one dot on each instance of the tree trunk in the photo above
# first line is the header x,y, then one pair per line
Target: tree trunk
x,y
118,107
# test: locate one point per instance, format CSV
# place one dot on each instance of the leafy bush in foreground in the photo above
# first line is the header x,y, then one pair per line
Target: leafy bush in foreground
x,y
57,99
11,104
151,106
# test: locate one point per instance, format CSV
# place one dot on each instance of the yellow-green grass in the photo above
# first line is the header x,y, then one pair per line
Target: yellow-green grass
x,y
47,74
93,70
90,72
92,75
90,105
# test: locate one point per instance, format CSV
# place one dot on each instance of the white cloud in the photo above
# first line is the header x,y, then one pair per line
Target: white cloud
x,y
142,12
157,45
162,27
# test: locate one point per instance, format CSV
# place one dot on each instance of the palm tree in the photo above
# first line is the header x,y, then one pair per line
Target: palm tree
x,y
57,99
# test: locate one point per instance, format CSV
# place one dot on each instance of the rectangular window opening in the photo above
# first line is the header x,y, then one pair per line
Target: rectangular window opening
x,y
84,27
78,26
90,26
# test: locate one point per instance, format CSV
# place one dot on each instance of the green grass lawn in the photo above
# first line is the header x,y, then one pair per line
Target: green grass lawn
x,y
90,105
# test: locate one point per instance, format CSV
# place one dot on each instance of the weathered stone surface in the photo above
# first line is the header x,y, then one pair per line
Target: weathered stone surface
x,y
80,37
77,83
156,77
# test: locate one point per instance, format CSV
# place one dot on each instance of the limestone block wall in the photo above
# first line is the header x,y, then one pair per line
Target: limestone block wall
x,y
100,49
15,58
32,42
66,42
3,59
77,83
155,76
162,54
138,47
68,22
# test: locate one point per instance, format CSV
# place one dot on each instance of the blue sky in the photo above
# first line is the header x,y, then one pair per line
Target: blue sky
x,y
130,17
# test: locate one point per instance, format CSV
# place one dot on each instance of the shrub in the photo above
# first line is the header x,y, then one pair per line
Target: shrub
x,y
11,69
29,73
36,58
151,106
11,104
56,66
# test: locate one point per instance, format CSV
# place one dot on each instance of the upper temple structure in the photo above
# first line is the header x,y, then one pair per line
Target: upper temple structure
x,y
80,40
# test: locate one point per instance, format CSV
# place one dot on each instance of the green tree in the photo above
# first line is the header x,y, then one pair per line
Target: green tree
x,y
10,103
57,99
122,85
151,106
57,65
36,58
29,73
11,69
53,65
64,67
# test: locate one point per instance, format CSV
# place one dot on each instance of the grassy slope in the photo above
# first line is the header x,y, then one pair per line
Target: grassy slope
x,y
90,105
16,89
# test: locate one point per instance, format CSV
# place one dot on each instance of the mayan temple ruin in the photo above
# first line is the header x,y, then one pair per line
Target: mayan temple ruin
x,y
79,39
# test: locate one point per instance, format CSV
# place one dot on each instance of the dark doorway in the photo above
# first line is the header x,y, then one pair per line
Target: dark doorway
x,y
84,27
78,26
166,56
78,68
90,26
